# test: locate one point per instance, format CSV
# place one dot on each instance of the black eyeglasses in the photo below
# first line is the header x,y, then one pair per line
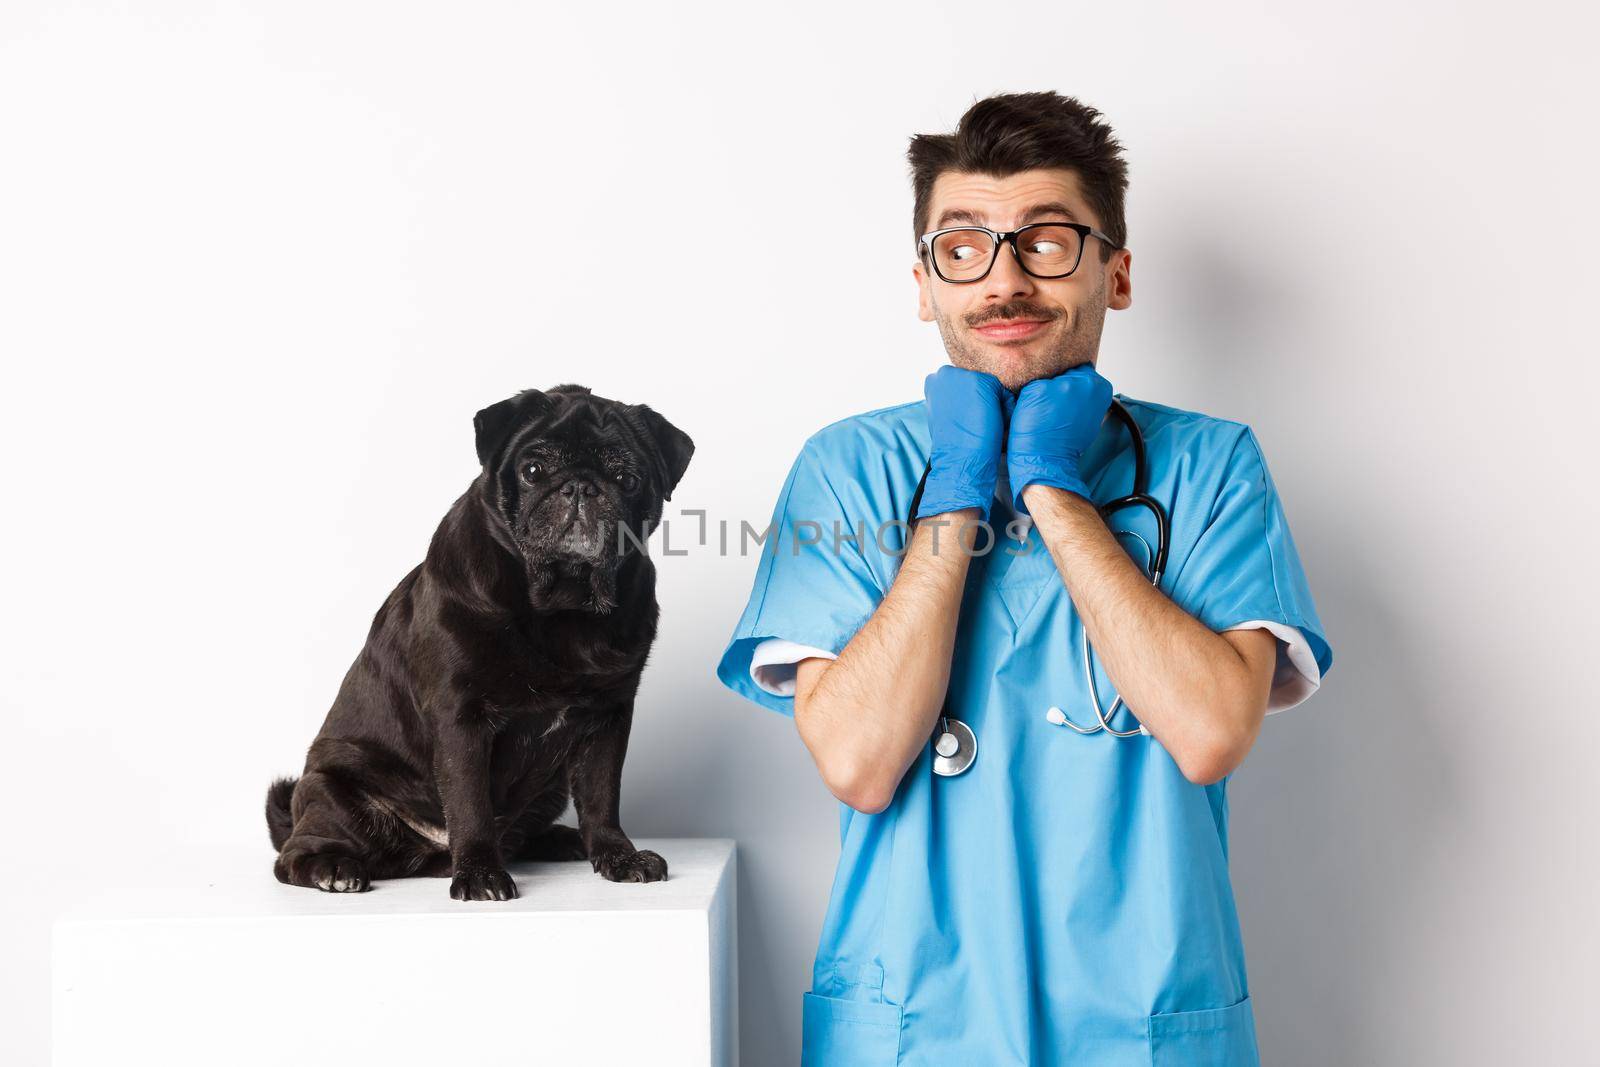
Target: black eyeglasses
x,y
1042,249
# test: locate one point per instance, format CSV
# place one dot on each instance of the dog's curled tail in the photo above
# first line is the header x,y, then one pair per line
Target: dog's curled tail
x,y
280,823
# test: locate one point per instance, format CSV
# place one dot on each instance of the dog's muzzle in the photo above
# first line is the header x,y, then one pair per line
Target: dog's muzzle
x,y
583,541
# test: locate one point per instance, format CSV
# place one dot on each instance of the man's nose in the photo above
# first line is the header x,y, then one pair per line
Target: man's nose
x,y
579,486
1007,278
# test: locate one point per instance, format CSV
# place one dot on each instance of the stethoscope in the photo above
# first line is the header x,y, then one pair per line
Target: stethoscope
x,y
954,744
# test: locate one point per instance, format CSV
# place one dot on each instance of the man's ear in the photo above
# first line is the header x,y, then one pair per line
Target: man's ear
x,y
495,423
672,448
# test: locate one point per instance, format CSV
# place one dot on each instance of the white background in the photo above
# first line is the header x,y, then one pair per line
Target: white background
x,y
260,263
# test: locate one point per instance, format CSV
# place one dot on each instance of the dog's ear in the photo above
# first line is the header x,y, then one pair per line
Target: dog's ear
x,y
495,423
672,447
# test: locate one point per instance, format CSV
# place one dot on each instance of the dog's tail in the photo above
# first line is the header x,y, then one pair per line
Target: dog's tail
x,y
279,822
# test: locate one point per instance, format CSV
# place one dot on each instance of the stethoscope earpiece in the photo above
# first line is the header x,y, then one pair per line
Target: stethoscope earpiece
x,y
1056,717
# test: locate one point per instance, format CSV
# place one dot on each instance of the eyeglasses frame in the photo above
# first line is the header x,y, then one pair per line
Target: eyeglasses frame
x,y
1000,237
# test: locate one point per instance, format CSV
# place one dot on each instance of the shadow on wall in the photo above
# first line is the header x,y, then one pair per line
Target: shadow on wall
x,y
1334,821
1337,814
704,762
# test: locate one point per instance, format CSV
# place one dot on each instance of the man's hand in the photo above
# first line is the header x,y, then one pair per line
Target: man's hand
x,y
967,412
1054,420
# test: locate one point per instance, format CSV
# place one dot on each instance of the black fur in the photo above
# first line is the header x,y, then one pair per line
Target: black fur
x,y
498,678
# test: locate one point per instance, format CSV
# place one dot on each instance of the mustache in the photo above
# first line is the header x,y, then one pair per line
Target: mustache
x,y
1013,311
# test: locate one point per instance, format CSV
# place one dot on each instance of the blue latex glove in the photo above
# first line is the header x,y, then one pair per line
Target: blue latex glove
x,y
966,426
1054,421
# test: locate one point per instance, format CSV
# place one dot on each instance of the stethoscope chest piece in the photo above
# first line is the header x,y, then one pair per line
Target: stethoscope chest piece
x,y
954,747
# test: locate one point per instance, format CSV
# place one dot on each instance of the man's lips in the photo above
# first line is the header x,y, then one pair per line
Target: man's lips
x,y
1010,329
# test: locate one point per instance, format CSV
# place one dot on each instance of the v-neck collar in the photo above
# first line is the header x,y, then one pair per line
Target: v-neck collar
x,y
1022,572
1018,570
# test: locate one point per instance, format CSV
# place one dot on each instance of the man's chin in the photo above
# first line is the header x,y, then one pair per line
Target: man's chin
x,y
1014,374
1012,367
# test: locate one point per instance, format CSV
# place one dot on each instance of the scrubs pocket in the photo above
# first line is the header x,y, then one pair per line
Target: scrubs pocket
x,y
849,1033
1215,1037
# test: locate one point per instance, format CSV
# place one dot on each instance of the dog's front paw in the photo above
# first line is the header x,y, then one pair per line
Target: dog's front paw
x,y
327,871
482,883
630,865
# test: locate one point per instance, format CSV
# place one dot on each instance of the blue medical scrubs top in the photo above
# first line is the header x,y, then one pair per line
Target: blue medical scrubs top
x,y
1066,899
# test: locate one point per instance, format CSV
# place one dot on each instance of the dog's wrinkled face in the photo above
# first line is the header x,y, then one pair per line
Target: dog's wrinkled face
x,y
579,481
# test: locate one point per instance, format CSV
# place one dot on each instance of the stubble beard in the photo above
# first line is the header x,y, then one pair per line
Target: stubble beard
x,y
1079,344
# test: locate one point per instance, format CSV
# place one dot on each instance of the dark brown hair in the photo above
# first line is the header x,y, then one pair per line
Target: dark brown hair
x,y
1002,135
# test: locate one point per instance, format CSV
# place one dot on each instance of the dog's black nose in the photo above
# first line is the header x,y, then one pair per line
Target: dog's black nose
x,y
586,486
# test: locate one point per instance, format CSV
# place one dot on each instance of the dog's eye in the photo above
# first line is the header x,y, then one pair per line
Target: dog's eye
x,y
629,482
532,471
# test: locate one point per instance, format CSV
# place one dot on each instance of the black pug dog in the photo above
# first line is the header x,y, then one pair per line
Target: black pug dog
x,y
499,676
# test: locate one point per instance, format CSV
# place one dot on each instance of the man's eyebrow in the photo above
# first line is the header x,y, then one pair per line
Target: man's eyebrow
x,y
955,215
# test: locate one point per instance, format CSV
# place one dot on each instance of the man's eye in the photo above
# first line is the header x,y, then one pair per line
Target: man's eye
x,y
963,252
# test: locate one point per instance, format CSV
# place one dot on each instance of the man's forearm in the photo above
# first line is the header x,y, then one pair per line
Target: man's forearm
x,y
1186,684
874,707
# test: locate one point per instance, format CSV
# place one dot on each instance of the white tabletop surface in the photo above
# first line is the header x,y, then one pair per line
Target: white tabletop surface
x,y
237,882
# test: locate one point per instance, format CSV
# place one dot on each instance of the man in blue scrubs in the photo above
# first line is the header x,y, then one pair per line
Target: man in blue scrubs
x,y
1064,899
